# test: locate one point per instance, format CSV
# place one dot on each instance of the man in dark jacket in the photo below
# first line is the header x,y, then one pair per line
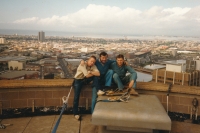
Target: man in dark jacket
x,y
121,77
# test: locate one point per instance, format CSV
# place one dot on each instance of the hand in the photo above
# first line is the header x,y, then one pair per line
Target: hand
x,y
126,63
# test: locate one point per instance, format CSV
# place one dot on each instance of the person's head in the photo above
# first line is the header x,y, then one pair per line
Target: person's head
x,y
91,61
103,56
120,59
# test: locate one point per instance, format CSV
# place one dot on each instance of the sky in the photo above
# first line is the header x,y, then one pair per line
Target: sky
x,y
126,17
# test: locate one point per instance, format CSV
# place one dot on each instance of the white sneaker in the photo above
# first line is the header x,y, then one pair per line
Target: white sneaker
x,y
100,92
77,117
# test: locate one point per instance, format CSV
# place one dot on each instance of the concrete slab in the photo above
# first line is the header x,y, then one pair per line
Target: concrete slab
x,y
103,129
40,124
129,129
87,126
70,125
144,111
183,127
19,125
67,124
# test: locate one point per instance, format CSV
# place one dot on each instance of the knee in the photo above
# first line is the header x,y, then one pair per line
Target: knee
x,y
132,77
115,75
110,72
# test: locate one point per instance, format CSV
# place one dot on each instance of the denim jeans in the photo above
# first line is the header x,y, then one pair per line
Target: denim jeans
x,y
120,81
78,85
105,80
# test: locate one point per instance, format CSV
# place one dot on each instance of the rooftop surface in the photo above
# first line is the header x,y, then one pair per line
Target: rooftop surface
x,y
154,66
45,124
175,62
14,74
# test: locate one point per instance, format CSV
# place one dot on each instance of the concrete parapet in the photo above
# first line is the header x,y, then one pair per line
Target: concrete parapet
x,y
21,93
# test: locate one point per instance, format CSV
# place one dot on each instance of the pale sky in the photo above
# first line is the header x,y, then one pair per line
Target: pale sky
x,y
128,17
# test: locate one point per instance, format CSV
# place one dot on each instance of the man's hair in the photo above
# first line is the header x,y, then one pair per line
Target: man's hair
x,y
120,56
94,57
103,54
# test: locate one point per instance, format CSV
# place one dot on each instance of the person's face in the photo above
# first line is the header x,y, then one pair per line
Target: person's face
x,y
120,61
91,62
103,59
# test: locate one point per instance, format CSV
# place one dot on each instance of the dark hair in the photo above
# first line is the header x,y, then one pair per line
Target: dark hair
x,y
103,54
120,56
94,57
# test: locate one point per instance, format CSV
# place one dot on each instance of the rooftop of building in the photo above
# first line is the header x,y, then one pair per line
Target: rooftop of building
x,y
16,74
154,66
175,62
45,124
16,58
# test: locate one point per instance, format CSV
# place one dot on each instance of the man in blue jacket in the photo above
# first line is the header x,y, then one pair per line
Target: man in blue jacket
x,y
103,65
120,76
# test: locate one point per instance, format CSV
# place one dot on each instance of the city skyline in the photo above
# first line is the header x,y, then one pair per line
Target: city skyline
x,y
170,18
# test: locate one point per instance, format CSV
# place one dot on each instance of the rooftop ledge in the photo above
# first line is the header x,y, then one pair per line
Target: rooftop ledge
x,y
149,86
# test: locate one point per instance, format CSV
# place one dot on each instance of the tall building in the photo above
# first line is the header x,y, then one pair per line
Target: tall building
x,y
41,36
2,40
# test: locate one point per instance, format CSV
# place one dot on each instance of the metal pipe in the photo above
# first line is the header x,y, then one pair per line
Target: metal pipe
x,y
169,88
33,106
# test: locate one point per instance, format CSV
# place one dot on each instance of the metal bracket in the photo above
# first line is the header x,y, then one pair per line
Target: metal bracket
x,y
65,99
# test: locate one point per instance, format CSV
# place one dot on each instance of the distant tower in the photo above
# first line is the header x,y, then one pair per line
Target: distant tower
x,y
41,36
174,52
2,40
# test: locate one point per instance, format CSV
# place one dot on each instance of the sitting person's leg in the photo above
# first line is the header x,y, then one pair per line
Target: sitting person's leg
x,y
95,86
131,80
108,78
118,81
132,83
104,82
77,90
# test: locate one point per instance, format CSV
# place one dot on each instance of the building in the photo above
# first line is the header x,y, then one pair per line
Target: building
x,y
179,72
130,55
2,40
16,75
41,36
198,65
176,65
16,65
16,62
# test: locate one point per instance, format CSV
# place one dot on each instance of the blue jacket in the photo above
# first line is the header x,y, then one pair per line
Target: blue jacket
x,y
103,68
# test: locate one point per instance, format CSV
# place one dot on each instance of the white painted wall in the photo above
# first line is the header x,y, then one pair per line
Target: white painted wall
x,y
14,64
176,68
198,65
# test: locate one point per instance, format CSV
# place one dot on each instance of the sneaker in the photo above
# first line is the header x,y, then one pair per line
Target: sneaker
x,y
77,117
100,92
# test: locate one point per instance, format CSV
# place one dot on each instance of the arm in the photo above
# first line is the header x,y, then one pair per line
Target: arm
x,y
89,74
132,71
83,69
95,71
82,63
125,62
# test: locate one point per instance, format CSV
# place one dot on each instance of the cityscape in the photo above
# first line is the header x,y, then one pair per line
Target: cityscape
x,y
54,57
43,42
